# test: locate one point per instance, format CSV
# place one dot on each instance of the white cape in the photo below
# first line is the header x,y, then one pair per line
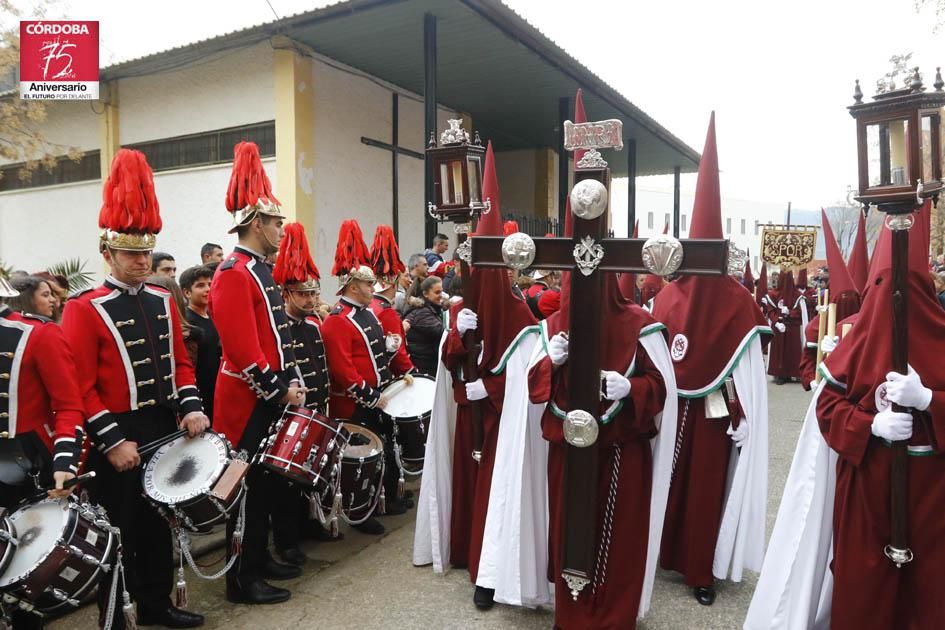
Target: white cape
x,y
514,558
795,587
431,541
741,542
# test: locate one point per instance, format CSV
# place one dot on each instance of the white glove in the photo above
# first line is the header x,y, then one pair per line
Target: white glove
x,y
740,435
476,390
616,385
780,327
558,349
393,342
466,320
892,425
829,344
908,390
821,309
785,311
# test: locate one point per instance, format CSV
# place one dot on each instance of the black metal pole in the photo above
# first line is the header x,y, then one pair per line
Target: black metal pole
x,y
429,117
394,156
564,105
676,172
631,185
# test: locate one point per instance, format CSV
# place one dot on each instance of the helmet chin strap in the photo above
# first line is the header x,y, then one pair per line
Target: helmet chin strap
x,y
124,271
295,304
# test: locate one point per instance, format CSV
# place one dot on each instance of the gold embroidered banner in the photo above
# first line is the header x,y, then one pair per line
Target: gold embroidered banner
x,y
788,247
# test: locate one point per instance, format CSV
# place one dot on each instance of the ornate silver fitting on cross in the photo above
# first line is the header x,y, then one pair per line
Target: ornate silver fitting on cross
x,y
580,428
518,251
662,254
898,556
589,199
588,254
576,582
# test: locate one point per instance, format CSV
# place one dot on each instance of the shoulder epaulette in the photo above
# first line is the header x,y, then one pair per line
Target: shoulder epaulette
x,y
36,317
337,309
228,263
82,292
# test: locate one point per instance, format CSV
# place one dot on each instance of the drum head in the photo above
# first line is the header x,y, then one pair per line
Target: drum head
x,y
412,401
185,468
38,527
361,442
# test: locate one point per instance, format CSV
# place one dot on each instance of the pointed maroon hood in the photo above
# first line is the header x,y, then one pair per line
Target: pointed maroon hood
x,y
843,291
714,315
859,263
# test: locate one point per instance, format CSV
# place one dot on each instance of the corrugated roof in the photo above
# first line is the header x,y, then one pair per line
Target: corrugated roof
x,y
492,64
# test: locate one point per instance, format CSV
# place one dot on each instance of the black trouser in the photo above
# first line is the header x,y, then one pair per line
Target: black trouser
x,y
266,492
374,420
288,518
36,461
147,548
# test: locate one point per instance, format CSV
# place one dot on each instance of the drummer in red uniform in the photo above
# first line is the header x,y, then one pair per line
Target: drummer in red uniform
x,y
40,414
296,273
359,362
136,380
258,375
387,267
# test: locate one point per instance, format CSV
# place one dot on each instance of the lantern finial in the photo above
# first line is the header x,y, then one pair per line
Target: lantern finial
x,y
916,84
857,93
939,83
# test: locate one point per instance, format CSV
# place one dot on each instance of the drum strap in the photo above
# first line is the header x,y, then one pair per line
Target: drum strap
x,y
183,542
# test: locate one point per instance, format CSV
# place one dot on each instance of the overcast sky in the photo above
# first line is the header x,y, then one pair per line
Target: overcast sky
x,y
778,74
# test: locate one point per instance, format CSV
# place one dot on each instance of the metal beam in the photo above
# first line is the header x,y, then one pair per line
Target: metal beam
x,y
564,106
676,202
429,117
631,185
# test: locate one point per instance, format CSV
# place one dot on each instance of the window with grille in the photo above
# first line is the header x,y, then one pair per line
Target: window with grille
x,y
728,226
649,220
682,223
210,147
65,171
743,226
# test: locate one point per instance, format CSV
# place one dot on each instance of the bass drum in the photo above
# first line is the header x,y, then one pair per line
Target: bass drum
x,y
64,548
361,475
408,410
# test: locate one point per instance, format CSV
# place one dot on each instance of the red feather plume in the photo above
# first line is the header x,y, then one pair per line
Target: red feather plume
x,y
248,181
294,264
510,227
129,204
385,253
351,251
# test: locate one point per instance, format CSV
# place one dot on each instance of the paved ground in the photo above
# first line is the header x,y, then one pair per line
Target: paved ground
x,y
369,583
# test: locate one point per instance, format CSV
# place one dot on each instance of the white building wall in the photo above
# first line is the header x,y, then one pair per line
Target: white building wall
x,y
230,89
69,124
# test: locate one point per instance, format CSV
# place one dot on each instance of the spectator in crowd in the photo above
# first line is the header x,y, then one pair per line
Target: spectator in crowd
x,y
163,264
425,316
939,280
191,336
36,296
417,269
195,283
211,253
434,255
60,288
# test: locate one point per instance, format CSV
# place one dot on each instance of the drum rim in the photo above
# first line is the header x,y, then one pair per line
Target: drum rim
x,y
72,509
376,442
412,417
147,474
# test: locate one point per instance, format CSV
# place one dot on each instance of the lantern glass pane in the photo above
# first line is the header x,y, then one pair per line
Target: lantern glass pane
x,y
475,173
444,185
887,144
925,138
456,170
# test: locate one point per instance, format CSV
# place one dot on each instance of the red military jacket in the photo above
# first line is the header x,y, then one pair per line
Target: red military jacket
x,y
258,351
38,390
357,358
392,324
129,354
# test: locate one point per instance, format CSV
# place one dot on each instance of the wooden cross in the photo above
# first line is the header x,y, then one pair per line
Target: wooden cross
x,y
396,151
588,254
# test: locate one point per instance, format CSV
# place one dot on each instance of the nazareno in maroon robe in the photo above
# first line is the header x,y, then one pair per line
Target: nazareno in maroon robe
x,y
785,353
869,591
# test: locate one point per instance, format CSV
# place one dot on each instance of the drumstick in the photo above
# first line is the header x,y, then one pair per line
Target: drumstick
x,y
158,443
75,480
395,389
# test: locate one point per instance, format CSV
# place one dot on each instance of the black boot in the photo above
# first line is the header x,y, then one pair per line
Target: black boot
x,y
371,527
705,595
273,570
171,617
292,555
483,598
255,592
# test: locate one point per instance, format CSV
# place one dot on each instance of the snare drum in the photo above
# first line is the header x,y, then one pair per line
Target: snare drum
x,y
7,536
63,549
195,480
304,447
361,478
409,408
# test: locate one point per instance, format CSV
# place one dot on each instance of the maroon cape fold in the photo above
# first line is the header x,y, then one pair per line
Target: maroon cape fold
x,y
628,281
652,285
502,314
